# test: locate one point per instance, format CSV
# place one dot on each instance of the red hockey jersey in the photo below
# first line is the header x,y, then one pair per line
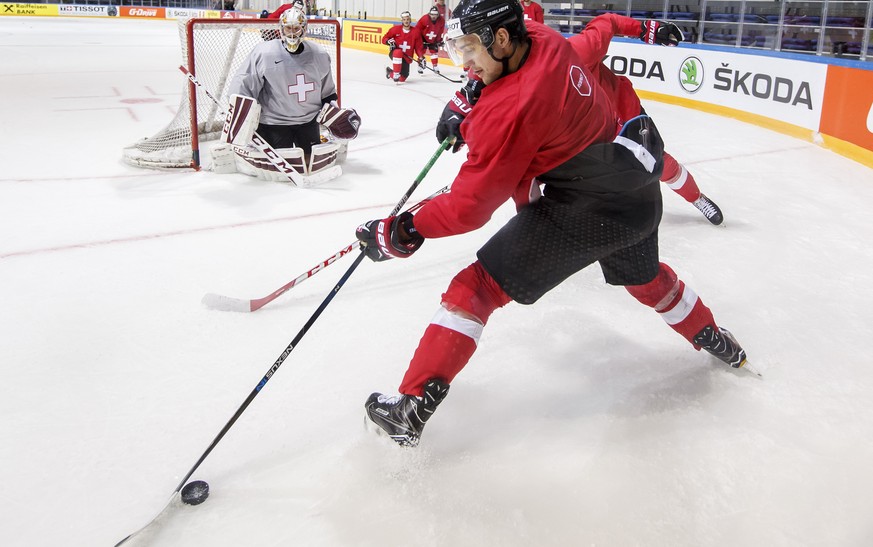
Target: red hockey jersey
x,y
592,43
409,41
431,31
523,125
533,12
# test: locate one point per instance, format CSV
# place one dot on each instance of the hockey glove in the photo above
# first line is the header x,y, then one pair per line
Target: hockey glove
x,y
456,110
392,43
343,123
661,33
392,237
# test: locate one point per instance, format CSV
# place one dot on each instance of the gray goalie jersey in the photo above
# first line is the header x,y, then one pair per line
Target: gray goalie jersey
x,y
290,88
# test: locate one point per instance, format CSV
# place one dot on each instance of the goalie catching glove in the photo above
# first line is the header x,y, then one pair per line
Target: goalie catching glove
x,y
661,33
456,110
392,237
343,123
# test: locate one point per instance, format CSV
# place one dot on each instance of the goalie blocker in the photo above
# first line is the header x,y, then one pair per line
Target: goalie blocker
x,y
236,151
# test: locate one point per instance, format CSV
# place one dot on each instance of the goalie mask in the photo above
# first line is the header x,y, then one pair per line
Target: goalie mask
x,y
292,27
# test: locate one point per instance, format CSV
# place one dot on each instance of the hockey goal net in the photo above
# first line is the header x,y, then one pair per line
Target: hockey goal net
x,y
213,50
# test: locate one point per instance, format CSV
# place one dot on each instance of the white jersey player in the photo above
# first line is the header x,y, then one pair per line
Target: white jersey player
x,y
284,91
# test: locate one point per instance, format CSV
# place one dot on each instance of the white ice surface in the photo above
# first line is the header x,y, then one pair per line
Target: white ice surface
x,y
582,420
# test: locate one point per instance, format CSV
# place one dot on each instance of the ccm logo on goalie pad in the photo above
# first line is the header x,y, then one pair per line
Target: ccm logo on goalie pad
x,y
241,120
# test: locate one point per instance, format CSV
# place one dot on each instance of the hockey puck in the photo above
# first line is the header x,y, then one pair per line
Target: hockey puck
x,y
195,492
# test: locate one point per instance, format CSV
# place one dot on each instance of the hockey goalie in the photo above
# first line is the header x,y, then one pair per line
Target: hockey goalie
x,y
279,100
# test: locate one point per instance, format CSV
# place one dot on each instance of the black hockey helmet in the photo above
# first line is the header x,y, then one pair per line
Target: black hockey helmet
x,y
483,18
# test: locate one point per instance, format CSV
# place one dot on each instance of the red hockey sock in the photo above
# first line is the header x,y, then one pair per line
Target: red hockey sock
x,y
451,338
679,179
442,353
677,304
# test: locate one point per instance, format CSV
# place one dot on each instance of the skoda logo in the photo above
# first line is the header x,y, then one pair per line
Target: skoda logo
x,y
691,74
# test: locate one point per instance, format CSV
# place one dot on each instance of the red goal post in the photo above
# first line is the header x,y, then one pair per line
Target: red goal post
x,y
213,50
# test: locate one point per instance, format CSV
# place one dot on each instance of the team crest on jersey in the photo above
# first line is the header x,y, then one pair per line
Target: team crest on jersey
x,y
580,81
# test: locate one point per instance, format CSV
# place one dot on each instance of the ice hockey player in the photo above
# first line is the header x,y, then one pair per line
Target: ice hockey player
x,y
284,92
532,11
404,46
541,121
285,7
431,27
592,44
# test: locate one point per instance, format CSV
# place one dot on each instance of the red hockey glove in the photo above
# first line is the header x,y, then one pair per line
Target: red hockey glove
x,y
392,237
661,33
343,123
456,110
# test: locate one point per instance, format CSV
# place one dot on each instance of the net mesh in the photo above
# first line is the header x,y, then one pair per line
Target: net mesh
x,y
214,50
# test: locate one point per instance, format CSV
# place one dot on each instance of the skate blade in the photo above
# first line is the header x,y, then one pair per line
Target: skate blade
x,y
749,368
371,427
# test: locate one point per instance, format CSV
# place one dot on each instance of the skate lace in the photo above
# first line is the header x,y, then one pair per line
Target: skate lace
x,y
389,399
705,206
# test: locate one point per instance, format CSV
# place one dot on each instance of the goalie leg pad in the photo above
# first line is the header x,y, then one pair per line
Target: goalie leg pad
x,y
323,156
223,158
242,120
253,162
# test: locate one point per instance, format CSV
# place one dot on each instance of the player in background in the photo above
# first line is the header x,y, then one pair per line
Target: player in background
x,y
284,90
431,27
532,11
542,134
224,5
444,10
592,44
404,45
285,7
307,9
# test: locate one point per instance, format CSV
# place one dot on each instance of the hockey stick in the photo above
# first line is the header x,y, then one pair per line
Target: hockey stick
x,y
432,70
265,148
287,351
226,303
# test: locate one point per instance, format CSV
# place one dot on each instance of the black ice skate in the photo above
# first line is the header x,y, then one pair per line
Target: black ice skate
x,y
402,417
709,209
722,344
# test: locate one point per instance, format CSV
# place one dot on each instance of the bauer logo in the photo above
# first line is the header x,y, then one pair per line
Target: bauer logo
x,y
501,9
691,74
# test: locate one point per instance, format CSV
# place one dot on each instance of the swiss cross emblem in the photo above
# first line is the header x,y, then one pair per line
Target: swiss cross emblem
x,y
301,88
